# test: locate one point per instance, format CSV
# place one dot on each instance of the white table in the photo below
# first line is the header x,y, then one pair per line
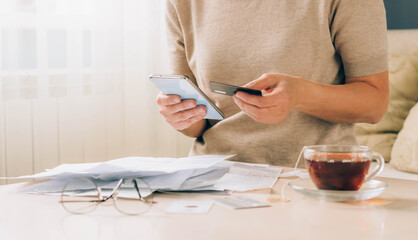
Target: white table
x,y
393,215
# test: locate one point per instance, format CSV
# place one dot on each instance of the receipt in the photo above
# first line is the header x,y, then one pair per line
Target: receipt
x,y
295,173
244,177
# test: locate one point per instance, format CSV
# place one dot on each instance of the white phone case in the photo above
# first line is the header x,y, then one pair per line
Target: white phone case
x,y
186,89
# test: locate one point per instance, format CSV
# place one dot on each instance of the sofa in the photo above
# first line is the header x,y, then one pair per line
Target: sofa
x,y
396,135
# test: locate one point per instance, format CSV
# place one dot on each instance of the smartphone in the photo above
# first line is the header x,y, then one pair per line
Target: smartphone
x,y
230,90
182,85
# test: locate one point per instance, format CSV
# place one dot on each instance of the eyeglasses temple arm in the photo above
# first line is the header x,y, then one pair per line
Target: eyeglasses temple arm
x,y
114,190
79,201
137,189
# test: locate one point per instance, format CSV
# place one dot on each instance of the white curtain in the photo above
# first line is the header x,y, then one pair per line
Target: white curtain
x,y
74,83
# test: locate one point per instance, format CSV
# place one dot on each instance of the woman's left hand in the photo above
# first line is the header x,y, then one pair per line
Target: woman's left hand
x,y
280,95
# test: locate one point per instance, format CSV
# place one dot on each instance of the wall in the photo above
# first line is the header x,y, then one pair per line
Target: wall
x,y
402,14
74,83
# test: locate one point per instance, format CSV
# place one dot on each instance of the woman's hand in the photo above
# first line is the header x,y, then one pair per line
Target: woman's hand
x,y
280,95
181,115
359,99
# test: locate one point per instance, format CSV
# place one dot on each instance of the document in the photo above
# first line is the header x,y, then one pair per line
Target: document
x,y
295,173
130,166
198,173
244,177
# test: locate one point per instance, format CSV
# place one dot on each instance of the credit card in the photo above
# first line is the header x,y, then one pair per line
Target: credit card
x,y
230,90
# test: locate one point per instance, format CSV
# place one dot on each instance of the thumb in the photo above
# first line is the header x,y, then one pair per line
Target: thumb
x,y
264,82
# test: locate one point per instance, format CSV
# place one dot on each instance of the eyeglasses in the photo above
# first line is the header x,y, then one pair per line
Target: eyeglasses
x,y
131,196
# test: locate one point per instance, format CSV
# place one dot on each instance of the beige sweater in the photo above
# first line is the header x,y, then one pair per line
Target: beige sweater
x,y
236,41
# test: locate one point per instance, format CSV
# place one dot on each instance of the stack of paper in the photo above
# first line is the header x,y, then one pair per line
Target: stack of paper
x,y
198,173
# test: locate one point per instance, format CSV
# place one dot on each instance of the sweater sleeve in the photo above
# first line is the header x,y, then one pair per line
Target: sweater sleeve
x,y
177,56
358,30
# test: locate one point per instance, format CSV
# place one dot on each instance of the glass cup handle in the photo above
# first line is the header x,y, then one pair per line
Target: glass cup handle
x,y
378,169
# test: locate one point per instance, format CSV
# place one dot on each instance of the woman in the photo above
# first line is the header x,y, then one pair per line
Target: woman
x,y
322,66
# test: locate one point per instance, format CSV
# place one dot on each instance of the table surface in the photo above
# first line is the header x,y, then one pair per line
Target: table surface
x,y
392,215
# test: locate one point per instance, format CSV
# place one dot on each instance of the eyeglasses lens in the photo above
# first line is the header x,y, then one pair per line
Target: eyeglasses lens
x,y
80,196
133,197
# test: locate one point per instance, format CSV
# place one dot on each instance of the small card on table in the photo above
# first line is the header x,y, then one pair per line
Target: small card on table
x,y
240,202
190,207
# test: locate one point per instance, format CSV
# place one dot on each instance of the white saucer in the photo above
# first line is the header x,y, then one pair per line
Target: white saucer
x,y
370,189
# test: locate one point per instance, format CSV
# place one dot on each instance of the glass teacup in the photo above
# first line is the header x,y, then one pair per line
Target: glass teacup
x,y
341,167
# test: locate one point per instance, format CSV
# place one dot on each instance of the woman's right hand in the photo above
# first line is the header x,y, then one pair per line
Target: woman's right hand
x,y
180,114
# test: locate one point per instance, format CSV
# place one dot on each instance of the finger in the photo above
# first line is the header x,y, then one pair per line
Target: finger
x,y
187,123
245,107
256,113
186,114
259,101
164,100
183,105
266,81
251,111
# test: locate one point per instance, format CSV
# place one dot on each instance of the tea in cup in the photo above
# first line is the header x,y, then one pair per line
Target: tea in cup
x,y
341,167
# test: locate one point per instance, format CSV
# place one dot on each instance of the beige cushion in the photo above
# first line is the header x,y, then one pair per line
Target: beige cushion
x,y
405,149
379,142
403,80
402,40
